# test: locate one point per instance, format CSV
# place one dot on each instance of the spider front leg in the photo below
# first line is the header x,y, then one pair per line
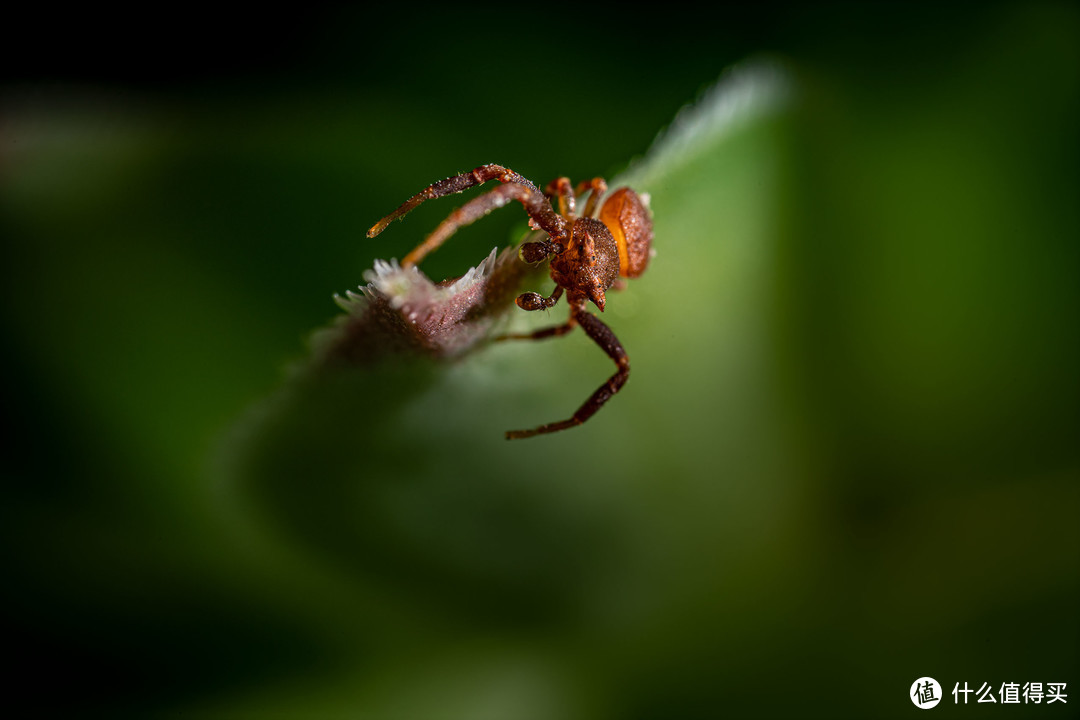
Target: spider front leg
x,y
450,186
605,338
536,205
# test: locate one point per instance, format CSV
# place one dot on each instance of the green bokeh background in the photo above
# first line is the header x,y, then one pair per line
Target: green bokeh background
x,y
846,457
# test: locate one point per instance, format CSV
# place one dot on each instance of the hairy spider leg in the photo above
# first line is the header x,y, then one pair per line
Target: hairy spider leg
x,y
554,331
605,338
560,188
598,187
536,205
450,186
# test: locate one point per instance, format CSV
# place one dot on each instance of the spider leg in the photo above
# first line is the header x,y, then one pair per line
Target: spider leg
x,y
598,188
605,338
449,186
560,188
555,331
536,205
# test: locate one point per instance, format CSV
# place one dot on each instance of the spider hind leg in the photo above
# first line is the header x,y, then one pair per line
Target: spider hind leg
x,y
602,335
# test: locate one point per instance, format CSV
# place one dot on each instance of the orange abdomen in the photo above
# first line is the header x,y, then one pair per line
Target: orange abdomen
x,y
628,219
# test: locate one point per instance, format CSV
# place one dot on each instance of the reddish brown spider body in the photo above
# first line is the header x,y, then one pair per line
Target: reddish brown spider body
x,y
588,253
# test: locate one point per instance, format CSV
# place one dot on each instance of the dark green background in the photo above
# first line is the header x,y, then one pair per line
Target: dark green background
x,y
846,458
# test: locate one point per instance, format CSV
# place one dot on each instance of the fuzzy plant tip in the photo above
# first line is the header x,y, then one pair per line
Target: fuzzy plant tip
x,y
400,311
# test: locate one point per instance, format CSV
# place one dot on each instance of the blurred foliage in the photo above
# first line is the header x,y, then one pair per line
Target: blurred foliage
x,y
846,457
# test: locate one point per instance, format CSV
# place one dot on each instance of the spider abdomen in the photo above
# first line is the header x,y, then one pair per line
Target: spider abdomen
x,y
625,215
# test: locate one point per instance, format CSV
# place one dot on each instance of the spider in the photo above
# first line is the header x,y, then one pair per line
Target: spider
x,y
588,253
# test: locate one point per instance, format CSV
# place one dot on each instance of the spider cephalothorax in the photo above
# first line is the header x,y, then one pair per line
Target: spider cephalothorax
x,y
588,253
590,262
